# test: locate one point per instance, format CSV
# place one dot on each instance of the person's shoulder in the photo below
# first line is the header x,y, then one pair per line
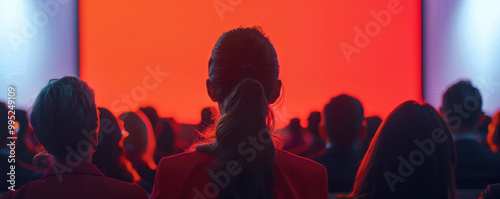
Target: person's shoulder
x,y
21,192
181,159
288,159
118,185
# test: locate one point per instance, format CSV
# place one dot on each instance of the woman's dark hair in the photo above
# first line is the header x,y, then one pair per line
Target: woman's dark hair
x,y
65,115
462,93
243,72
107,156
411,156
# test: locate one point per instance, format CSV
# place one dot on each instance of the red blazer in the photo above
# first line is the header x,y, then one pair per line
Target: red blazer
x,y
84,181
184,176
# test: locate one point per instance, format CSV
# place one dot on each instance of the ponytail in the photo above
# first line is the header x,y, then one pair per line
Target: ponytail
x,y
245,119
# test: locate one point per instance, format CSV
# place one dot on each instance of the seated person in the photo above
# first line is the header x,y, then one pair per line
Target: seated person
x,y
241,159
318,144
65,120
344,117
477,166
109,156
412,156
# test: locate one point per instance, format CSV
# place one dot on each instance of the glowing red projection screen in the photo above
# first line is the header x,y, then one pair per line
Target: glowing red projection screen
x,y
139,53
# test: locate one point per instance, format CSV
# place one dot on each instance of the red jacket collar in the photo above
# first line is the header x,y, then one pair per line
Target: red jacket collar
x,y
83,168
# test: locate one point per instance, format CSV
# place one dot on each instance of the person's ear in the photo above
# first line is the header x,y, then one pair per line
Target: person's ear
x,y
276,92
211,91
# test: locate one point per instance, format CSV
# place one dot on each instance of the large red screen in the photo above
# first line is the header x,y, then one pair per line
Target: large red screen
x,y
368,49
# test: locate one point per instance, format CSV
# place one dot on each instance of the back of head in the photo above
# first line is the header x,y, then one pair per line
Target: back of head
x,y
165,140
207,116
243,77
65,115
462,106
152,115
295,127
344,117
137,140
140,142
411,156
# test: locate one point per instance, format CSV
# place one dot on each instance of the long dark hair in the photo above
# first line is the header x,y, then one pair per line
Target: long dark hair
x,y
243,72
401,138
109,154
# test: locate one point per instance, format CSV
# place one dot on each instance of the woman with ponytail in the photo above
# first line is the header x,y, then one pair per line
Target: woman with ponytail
x,y
240,158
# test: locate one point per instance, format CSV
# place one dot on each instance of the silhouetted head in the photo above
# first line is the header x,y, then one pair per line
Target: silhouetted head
x,y
295,127
207,116
243,58
411,156
65,115
313,123
108,150
140,142
243,80
166,139
150,112
137,140
462,107
344,117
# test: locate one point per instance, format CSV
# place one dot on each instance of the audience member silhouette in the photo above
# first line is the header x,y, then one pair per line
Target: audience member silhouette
x,y
153,118
412,156
477,166
65,120
372,124
494,133
140,146
240,160
344,117
164,134
109,155
165,143
294,141
207,121
318,144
